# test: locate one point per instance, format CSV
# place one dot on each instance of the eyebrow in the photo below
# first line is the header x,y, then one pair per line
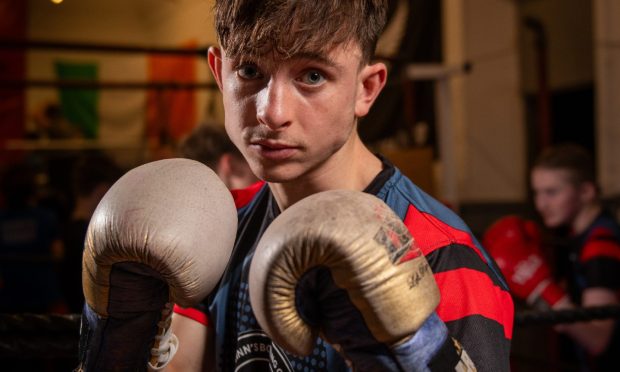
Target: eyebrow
x,y
320,57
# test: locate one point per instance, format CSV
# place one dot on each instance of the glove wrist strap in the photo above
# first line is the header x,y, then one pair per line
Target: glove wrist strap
x,y
416,353
166,343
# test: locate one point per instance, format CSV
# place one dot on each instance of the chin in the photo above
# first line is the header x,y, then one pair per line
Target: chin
x,y
276,178
554,222
275,175
551,224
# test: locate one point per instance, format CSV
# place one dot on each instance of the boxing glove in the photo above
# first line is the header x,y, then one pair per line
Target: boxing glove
x,y
516,245
340,264
162,234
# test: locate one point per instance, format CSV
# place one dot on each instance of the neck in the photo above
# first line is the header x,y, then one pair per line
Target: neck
x,y
585,217
353,167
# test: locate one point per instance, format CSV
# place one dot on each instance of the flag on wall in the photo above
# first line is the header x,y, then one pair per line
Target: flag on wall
x,y
79,106
171,113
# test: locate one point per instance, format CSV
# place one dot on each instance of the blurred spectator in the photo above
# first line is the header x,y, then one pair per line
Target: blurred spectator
x,y
30,243
92,177
210,145
50,123
566,196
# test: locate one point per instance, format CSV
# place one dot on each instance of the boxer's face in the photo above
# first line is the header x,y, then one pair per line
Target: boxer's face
x,y
291,117
557,199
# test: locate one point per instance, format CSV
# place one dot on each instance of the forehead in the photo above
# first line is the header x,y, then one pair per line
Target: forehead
x,y
550,178
338,54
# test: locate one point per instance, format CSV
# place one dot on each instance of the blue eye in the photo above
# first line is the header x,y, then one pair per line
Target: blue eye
x,y
249,72
313,77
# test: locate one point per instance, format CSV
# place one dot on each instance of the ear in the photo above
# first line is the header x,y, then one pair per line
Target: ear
x,y
372,79
588,192
214,56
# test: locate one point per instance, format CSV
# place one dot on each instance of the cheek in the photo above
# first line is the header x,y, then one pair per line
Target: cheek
x,y
235,122
335,128
572,205
538,202
235,135
566,207
329,115
240,108
231,119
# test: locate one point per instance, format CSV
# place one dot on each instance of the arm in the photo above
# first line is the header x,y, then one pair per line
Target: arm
x,y
594,335
341,265
475,303
194,340
145,250
476,308
515,244
599,259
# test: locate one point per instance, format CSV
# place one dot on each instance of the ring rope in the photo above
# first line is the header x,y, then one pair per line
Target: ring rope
x,y
30,335
552,317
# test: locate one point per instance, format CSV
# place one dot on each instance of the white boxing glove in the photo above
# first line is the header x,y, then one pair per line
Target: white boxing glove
x,y
162,234
342,265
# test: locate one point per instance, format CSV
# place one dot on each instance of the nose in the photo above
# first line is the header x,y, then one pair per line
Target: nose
x,y
274,105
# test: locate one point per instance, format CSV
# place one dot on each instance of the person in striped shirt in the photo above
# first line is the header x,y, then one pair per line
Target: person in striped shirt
x,y
585,239
295,77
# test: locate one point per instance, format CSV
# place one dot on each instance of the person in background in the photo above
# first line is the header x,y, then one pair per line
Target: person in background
x,y
210,145
92,176
30,245
567,197
50,123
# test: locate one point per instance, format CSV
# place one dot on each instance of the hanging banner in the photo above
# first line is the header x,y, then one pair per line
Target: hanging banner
x,y
170,113
79,106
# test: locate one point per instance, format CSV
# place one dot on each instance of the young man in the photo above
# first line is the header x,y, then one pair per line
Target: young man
x,y
295,77
566,195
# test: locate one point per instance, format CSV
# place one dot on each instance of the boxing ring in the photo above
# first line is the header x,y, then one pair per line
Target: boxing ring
x,y
53,336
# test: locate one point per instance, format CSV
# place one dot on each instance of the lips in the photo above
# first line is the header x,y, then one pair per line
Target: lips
x,y
272,144
273,150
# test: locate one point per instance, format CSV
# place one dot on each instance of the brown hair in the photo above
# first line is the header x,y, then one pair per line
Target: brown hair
x,y
572,158
206,144
290,27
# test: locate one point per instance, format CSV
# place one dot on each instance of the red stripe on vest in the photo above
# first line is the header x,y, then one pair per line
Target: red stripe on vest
x,y
600,248
430,233
194,314
243,197
466,292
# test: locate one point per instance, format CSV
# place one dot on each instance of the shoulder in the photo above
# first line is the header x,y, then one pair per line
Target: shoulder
x,y
443,237
602,239
604,226
474,296
432,224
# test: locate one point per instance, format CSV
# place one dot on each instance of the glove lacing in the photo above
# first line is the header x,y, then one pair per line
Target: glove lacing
x,y
166,343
